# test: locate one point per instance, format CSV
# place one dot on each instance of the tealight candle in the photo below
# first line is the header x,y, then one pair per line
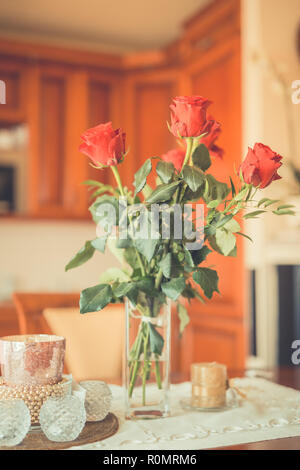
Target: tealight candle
x,y
209,383
32,359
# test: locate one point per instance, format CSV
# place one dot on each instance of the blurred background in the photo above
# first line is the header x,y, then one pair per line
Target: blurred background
x,y
68,65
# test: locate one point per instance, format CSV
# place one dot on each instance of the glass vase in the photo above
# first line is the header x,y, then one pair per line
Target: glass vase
x,y
147,359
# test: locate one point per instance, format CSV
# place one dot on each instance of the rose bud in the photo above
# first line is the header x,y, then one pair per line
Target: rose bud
x,y
175,156
260,166
104,145
213,129
188,116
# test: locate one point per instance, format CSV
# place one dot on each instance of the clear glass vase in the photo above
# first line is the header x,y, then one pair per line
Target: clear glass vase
x,y
147,360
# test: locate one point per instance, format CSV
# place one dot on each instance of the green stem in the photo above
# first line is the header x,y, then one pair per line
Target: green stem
x,y
189,146
121,189
118,180
157,373
145,371
136,366
194,146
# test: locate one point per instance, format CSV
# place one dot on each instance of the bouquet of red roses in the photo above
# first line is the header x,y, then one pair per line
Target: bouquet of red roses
x,y
163,234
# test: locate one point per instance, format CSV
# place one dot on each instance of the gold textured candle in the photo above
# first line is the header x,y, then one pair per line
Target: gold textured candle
x,y
32,359
209,383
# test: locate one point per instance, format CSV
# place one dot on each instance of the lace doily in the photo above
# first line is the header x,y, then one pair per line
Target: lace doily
x,y
270,411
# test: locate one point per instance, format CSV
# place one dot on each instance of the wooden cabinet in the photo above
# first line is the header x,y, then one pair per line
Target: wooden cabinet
x,y
12,73
64,101
147,97
212,69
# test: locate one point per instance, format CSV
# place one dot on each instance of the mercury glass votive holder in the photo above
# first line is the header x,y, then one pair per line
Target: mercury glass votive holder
x,y
32,359
14,422
97,400
62,419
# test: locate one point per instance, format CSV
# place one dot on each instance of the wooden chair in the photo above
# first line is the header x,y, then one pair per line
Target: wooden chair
x,y
94,341
30,307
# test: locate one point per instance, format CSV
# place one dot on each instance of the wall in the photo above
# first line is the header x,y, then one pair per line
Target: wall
x,y
269,50
38,252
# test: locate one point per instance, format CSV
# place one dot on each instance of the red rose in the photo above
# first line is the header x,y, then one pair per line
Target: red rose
x,y
213,129
188,115
260,166
104,145
175,156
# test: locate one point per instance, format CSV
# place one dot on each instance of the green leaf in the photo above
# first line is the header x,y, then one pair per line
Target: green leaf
x,y
233,190
114,274
156,340
208,281
123,242
166,265
283,212
105,219
244,235
173,288
92,183
191,293
285,206
183,316
233,253
250,215
95,298
140,177
103,189
264,199
147,247
130,257
213,204
270,202
223,220
163,192
112,244
200,255
122,289
83,255
147,191
165,171
188,258
242,194
225,240
145,284
191,196
201,157
193,177
215,189
232,226
99,243
127,289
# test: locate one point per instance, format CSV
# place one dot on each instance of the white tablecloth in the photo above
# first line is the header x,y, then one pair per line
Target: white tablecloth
x,y
270,412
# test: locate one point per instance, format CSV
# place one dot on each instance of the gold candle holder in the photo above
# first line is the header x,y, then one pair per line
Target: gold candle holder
x,y
209,384
32,359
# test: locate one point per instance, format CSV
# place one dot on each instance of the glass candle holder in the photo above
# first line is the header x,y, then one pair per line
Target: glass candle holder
x,y
14,422
97,400
32,359
35,395
62,419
